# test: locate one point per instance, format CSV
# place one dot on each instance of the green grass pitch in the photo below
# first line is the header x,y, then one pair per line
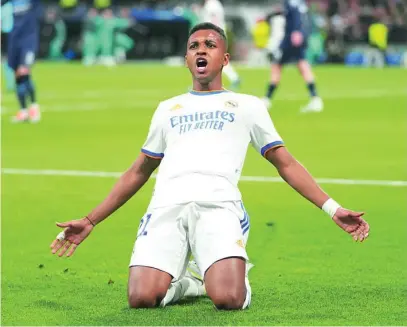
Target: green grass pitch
x,y
307,271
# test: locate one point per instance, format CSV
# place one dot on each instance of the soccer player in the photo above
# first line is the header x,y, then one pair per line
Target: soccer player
x,y
57,43
199,140
214,12
122,42
106,35
288,43
92,26
22,47
6,27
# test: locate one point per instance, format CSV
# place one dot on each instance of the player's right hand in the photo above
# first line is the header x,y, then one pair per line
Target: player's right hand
x,y
296,38
75,232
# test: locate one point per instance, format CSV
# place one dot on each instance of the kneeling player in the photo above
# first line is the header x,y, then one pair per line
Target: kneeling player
x,y
196,206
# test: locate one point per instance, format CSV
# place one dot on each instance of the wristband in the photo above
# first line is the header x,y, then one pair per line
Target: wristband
x,y
91,222
330,207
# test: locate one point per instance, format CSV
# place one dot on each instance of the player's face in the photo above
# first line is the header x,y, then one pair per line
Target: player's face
x,y
125,12
92,12
108,13
206,55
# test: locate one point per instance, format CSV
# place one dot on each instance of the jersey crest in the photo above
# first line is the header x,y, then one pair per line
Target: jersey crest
x,y
231,104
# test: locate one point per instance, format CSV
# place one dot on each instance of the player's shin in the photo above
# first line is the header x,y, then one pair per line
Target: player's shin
x,y
269,94
31,89
25,88
275,75
21,91
185,287
248,298
270,90
312,89
306,72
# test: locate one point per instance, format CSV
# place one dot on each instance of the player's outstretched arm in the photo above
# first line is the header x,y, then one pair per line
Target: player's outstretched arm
x,y
301,180
130,182
128,185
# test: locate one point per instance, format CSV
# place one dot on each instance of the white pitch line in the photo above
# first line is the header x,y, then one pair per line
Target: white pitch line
x,y
150,102
103,99
168,93
266,179
91,106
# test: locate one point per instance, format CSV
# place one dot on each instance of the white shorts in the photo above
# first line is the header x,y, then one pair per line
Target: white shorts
x,y
210,231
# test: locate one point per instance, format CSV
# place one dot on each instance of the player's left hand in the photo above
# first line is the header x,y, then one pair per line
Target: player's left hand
x,y
296,38
352,223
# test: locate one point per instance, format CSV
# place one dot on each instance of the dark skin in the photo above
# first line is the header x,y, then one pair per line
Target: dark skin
x,y
128,185
225,279
209,45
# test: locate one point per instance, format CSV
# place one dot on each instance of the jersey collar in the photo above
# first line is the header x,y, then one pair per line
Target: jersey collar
x,y
193,92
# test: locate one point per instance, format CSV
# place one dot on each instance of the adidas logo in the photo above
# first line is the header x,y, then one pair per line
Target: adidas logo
x,y
240,243
176,107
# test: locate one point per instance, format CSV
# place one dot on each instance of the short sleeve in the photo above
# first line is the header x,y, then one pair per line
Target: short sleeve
x,y
263,134
154,146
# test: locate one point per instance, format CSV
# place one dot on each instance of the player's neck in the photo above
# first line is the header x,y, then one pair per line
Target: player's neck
x,y
211,86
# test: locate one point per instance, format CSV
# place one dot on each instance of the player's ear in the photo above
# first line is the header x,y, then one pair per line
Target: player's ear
x,y
226,58
185,61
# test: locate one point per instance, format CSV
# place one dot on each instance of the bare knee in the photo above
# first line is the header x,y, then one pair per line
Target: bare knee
x,y
145,298
22,70
147,287
225,283
228,299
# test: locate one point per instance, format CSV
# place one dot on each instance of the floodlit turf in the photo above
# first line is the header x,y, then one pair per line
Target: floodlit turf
x,y
307,271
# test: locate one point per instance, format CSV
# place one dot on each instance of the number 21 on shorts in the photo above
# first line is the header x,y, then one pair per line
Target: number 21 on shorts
x,y
143,225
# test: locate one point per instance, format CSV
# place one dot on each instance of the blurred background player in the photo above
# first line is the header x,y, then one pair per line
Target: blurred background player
x,y
90,37
214,12
378,32
260,34
106,38
53,17
6,27
315,52
290,28
22,47
122,42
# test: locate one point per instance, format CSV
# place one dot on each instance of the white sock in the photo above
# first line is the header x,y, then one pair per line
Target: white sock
x,y
248,294
181,288
231,73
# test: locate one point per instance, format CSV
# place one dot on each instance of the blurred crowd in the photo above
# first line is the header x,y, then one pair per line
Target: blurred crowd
x,y
340,26
352,18
104,31
353,21
103,38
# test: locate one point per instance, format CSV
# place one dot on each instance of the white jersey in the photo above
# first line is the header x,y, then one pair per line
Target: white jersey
x,y
202,138
277,26
214,13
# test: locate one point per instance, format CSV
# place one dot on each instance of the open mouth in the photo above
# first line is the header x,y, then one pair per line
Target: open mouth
x,y
201,64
